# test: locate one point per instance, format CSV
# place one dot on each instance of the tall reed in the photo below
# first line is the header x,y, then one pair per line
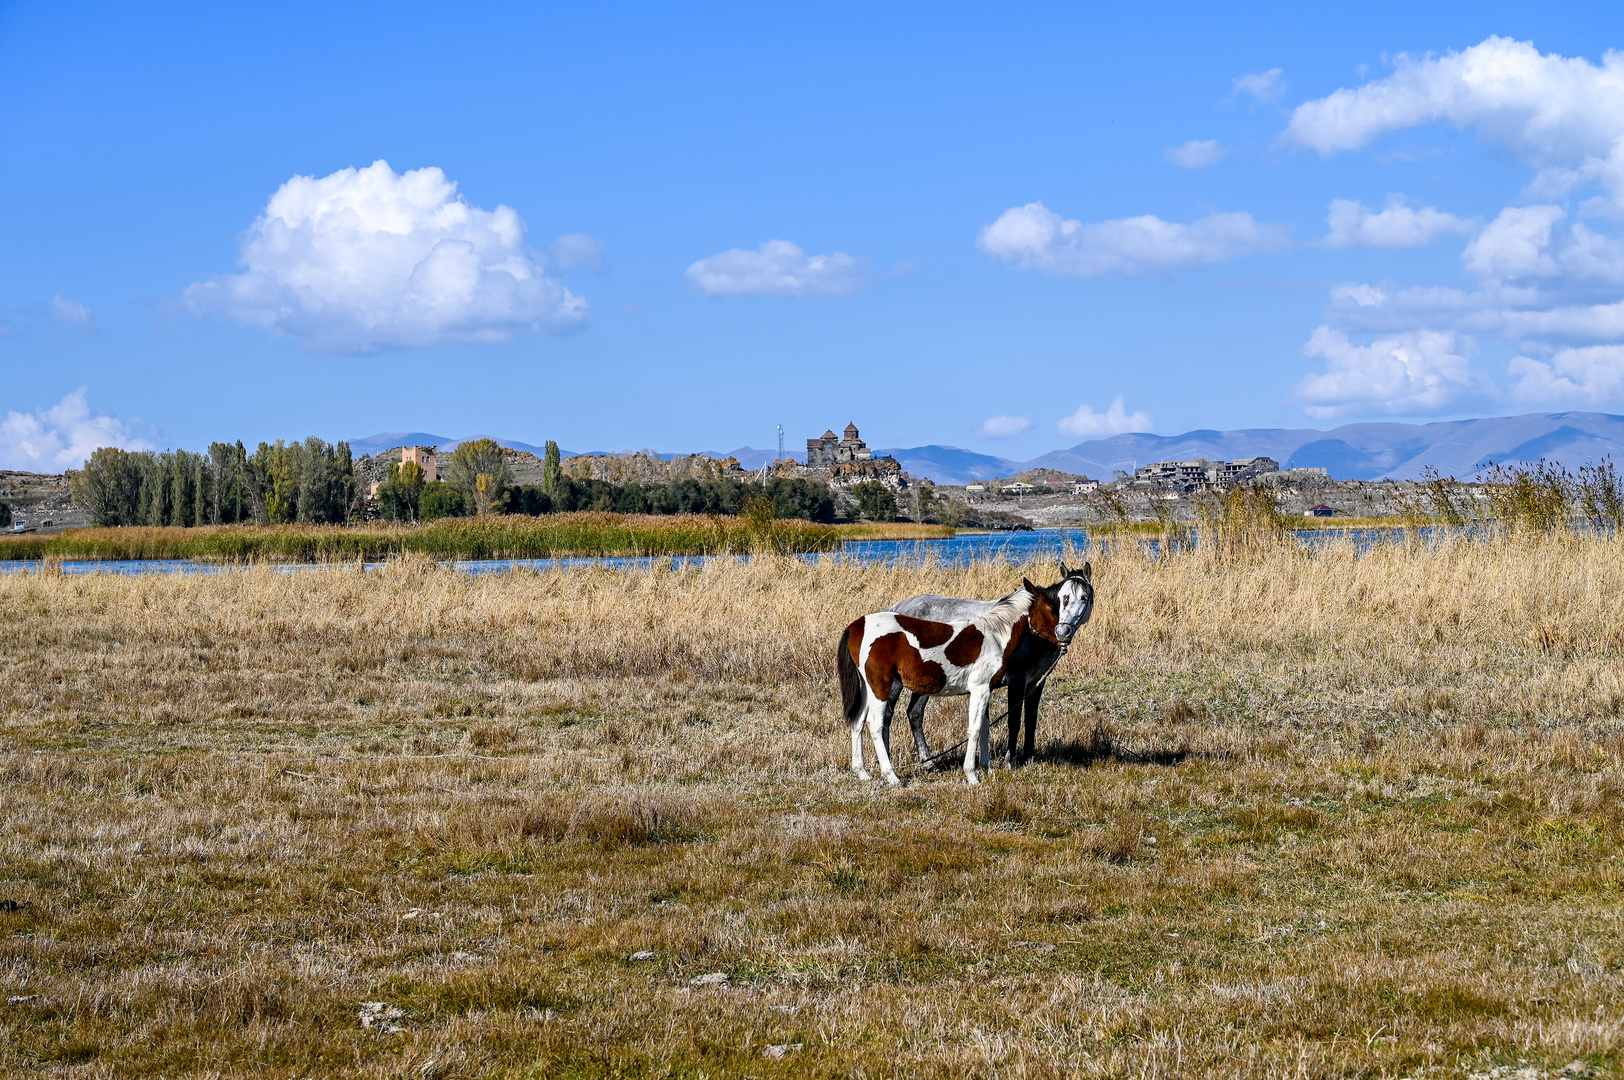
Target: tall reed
x,y
1240,521
583,534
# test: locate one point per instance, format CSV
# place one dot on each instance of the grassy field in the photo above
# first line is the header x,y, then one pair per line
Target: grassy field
x,y
587,534
1296,814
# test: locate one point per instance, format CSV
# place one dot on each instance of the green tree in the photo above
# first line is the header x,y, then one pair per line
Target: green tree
x,y
5,516
552,470
875,501
279,478
108,488
400,495
479,469
439,500
798,498
527,499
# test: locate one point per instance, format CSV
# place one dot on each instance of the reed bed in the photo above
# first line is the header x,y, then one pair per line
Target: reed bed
x,y
1297,812
582,534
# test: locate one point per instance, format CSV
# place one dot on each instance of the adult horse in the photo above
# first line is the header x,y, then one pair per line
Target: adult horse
x,y
879,654
1029,665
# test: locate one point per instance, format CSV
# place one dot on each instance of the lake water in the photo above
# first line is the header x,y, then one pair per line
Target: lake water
x,y
1016,547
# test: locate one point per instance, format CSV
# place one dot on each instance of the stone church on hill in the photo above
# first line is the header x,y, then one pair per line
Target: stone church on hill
x,y
828,450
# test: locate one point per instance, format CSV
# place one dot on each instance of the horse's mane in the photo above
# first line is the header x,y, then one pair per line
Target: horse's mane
x,y
1007,612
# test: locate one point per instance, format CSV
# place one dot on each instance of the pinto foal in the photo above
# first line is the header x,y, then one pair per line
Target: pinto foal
x,y
883,653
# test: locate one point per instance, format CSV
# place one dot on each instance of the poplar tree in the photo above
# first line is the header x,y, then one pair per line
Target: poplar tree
x,y
552,469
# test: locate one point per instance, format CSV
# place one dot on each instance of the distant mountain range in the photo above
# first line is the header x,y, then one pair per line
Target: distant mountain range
x,y
1371,451
1368,451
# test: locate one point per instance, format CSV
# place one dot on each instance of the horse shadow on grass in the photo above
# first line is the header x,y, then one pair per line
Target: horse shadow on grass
x,y
1103,746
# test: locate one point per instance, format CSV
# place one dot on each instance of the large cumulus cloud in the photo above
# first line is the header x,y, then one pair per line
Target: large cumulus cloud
x,y
1544,277
369,259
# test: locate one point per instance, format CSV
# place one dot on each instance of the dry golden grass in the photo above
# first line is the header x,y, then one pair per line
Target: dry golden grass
x,y
1301,814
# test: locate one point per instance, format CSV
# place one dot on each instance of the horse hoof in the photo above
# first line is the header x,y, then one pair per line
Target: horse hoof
x,y
971,779
893,780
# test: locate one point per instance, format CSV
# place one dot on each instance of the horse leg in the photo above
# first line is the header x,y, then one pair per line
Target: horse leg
x,y
857,739
890,710
916,720
1032,700
975,732
1017,694
876,721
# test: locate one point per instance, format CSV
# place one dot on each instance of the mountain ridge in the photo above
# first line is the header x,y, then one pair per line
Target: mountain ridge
x,y
1369,450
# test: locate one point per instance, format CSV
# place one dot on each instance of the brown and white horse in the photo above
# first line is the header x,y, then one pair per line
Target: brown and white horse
x,y
882,653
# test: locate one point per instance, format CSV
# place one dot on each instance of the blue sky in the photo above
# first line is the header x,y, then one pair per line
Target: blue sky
x,y
1001,227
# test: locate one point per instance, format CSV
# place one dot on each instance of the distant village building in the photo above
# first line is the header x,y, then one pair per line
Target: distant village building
x,y
1203,473
1175,472
828,450
424,456
1321,511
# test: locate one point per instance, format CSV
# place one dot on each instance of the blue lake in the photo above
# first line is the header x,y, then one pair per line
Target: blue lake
x,y
1016,547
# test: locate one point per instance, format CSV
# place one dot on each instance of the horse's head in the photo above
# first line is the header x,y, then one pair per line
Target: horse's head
x,y
1043,616
1075,595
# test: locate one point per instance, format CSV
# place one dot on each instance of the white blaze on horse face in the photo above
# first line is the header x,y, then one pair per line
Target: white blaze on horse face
x,y
1075,605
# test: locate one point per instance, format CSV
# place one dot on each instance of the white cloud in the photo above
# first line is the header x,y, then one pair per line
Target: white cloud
x,y
1571,377
367,259
1545,284
1359,294
1036,237
1407,374
60,437
1196,154
1085,423
1006,427
1353,224
1514,245
1563,115
777,268
69,312
578,251
1263,85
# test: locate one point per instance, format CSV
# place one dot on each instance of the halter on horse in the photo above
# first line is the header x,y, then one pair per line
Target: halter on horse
x,y
882,653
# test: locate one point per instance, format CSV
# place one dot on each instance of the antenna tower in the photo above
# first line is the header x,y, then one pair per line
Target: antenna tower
x,y
780,442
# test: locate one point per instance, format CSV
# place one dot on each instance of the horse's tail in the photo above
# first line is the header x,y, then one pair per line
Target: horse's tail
x,y
851,680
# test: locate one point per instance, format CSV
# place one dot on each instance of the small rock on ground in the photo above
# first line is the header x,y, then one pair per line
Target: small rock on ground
x,y
642,954
777,1052
714,978
381,1016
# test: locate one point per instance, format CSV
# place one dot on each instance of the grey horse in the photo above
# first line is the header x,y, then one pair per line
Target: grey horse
x,y
1028,666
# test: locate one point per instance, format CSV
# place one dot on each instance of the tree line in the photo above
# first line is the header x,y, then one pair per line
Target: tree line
x,y
309,482
479,480
314,482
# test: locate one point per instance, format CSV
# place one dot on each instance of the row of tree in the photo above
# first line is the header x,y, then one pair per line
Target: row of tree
x,y
311,482
405,496
314,482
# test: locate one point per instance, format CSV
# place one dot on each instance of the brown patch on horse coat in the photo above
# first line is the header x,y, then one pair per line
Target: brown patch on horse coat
x,y
930,634
892,656
854,638
966,648
1044,620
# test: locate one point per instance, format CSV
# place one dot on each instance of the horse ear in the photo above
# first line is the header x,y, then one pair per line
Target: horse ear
x,y
1088,573
1064,573
1031,588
